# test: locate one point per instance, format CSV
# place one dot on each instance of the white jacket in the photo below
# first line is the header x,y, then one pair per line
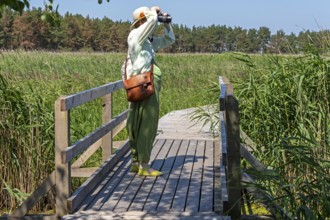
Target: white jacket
x,y
142,45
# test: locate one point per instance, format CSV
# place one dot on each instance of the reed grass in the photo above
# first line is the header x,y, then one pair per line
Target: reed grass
x,y
284,105
285,109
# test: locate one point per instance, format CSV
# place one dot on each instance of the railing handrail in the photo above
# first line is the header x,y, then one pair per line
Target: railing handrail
x,y
230,153
64,153
83,97
61,176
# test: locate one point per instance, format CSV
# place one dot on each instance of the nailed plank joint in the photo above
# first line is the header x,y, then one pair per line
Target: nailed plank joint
x,y
90,139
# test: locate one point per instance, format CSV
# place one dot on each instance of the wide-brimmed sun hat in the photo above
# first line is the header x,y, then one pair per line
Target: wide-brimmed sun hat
x,y
138,14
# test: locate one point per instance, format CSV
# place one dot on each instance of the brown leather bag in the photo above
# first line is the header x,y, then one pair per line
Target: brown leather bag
x,y
139,87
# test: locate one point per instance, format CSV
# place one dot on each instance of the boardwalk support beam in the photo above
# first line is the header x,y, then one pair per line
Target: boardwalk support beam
x,y
62,171
230,148
233,157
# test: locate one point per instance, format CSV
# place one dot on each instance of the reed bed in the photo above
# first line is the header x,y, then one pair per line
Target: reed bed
x,y
284,105
30,82
285,109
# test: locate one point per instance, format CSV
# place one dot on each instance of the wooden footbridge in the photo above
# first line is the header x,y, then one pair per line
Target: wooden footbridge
x,y
202,175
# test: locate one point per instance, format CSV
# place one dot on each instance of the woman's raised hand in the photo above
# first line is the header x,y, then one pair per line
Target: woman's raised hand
x,y
155,8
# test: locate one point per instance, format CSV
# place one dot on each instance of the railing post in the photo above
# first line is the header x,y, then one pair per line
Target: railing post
x,y
106,117
233,157
63,171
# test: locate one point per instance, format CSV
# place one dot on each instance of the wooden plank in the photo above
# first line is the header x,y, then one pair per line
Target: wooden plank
x,y
80,98
30,217
81,193
118,128
218,206
233,157
248,142
251,159
224,189
38,194
181,124
224,81
180,198
90,139
194,191
95,200
223,137
106,118
92,149
62,170
145,215
133,188
86,155
83,172
114,198
250,186
206,201
166,200
157,189
222,97
142,194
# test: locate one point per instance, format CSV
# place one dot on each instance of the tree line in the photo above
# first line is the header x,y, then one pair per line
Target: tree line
x,y
77,33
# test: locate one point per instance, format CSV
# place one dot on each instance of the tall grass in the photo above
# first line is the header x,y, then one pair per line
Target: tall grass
x,y
30,82
285,109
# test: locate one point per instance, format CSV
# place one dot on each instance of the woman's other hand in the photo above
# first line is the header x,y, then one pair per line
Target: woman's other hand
x,y
156,9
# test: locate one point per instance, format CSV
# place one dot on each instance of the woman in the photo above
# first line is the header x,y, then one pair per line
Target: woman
x,y
142,121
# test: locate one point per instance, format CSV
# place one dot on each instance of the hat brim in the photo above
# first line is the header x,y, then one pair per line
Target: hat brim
x,y
132,26
134,23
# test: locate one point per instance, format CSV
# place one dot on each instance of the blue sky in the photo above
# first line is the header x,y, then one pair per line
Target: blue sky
x,y
288,15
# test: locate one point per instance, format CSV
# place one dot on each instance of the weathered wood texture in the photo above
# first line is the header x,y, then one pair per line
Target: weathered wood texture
x,y
134,215
81,193
187,186
230,149
87,141
31,201
62,171
180,125
233,157
106,118
80,98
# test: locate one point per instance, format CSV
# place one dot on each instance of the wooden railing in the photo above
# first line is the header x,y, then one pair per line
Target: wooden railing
x,y
230,171
232,150
61,177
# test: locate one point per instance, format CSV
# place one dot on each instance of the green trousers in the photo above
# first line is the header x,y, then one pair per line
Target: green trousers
x,y
142,123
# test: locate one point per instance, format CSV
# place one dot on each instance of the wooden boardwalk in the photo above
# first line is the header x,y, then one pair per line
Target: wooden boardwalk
x,y
202,175
189,188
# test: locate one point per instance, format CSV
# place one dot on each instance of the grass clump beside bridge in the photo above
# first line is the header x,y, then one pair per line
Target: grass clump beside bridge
x,y
285,109
284,104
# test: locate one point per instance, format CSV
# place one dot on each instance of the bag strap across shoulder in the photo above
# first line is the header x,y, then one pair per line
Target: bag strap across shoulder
x,y
125,74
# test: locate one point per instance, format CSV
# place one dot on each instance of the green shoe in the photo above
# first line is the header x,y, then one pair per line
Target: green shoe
x,y
134,168
149,172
